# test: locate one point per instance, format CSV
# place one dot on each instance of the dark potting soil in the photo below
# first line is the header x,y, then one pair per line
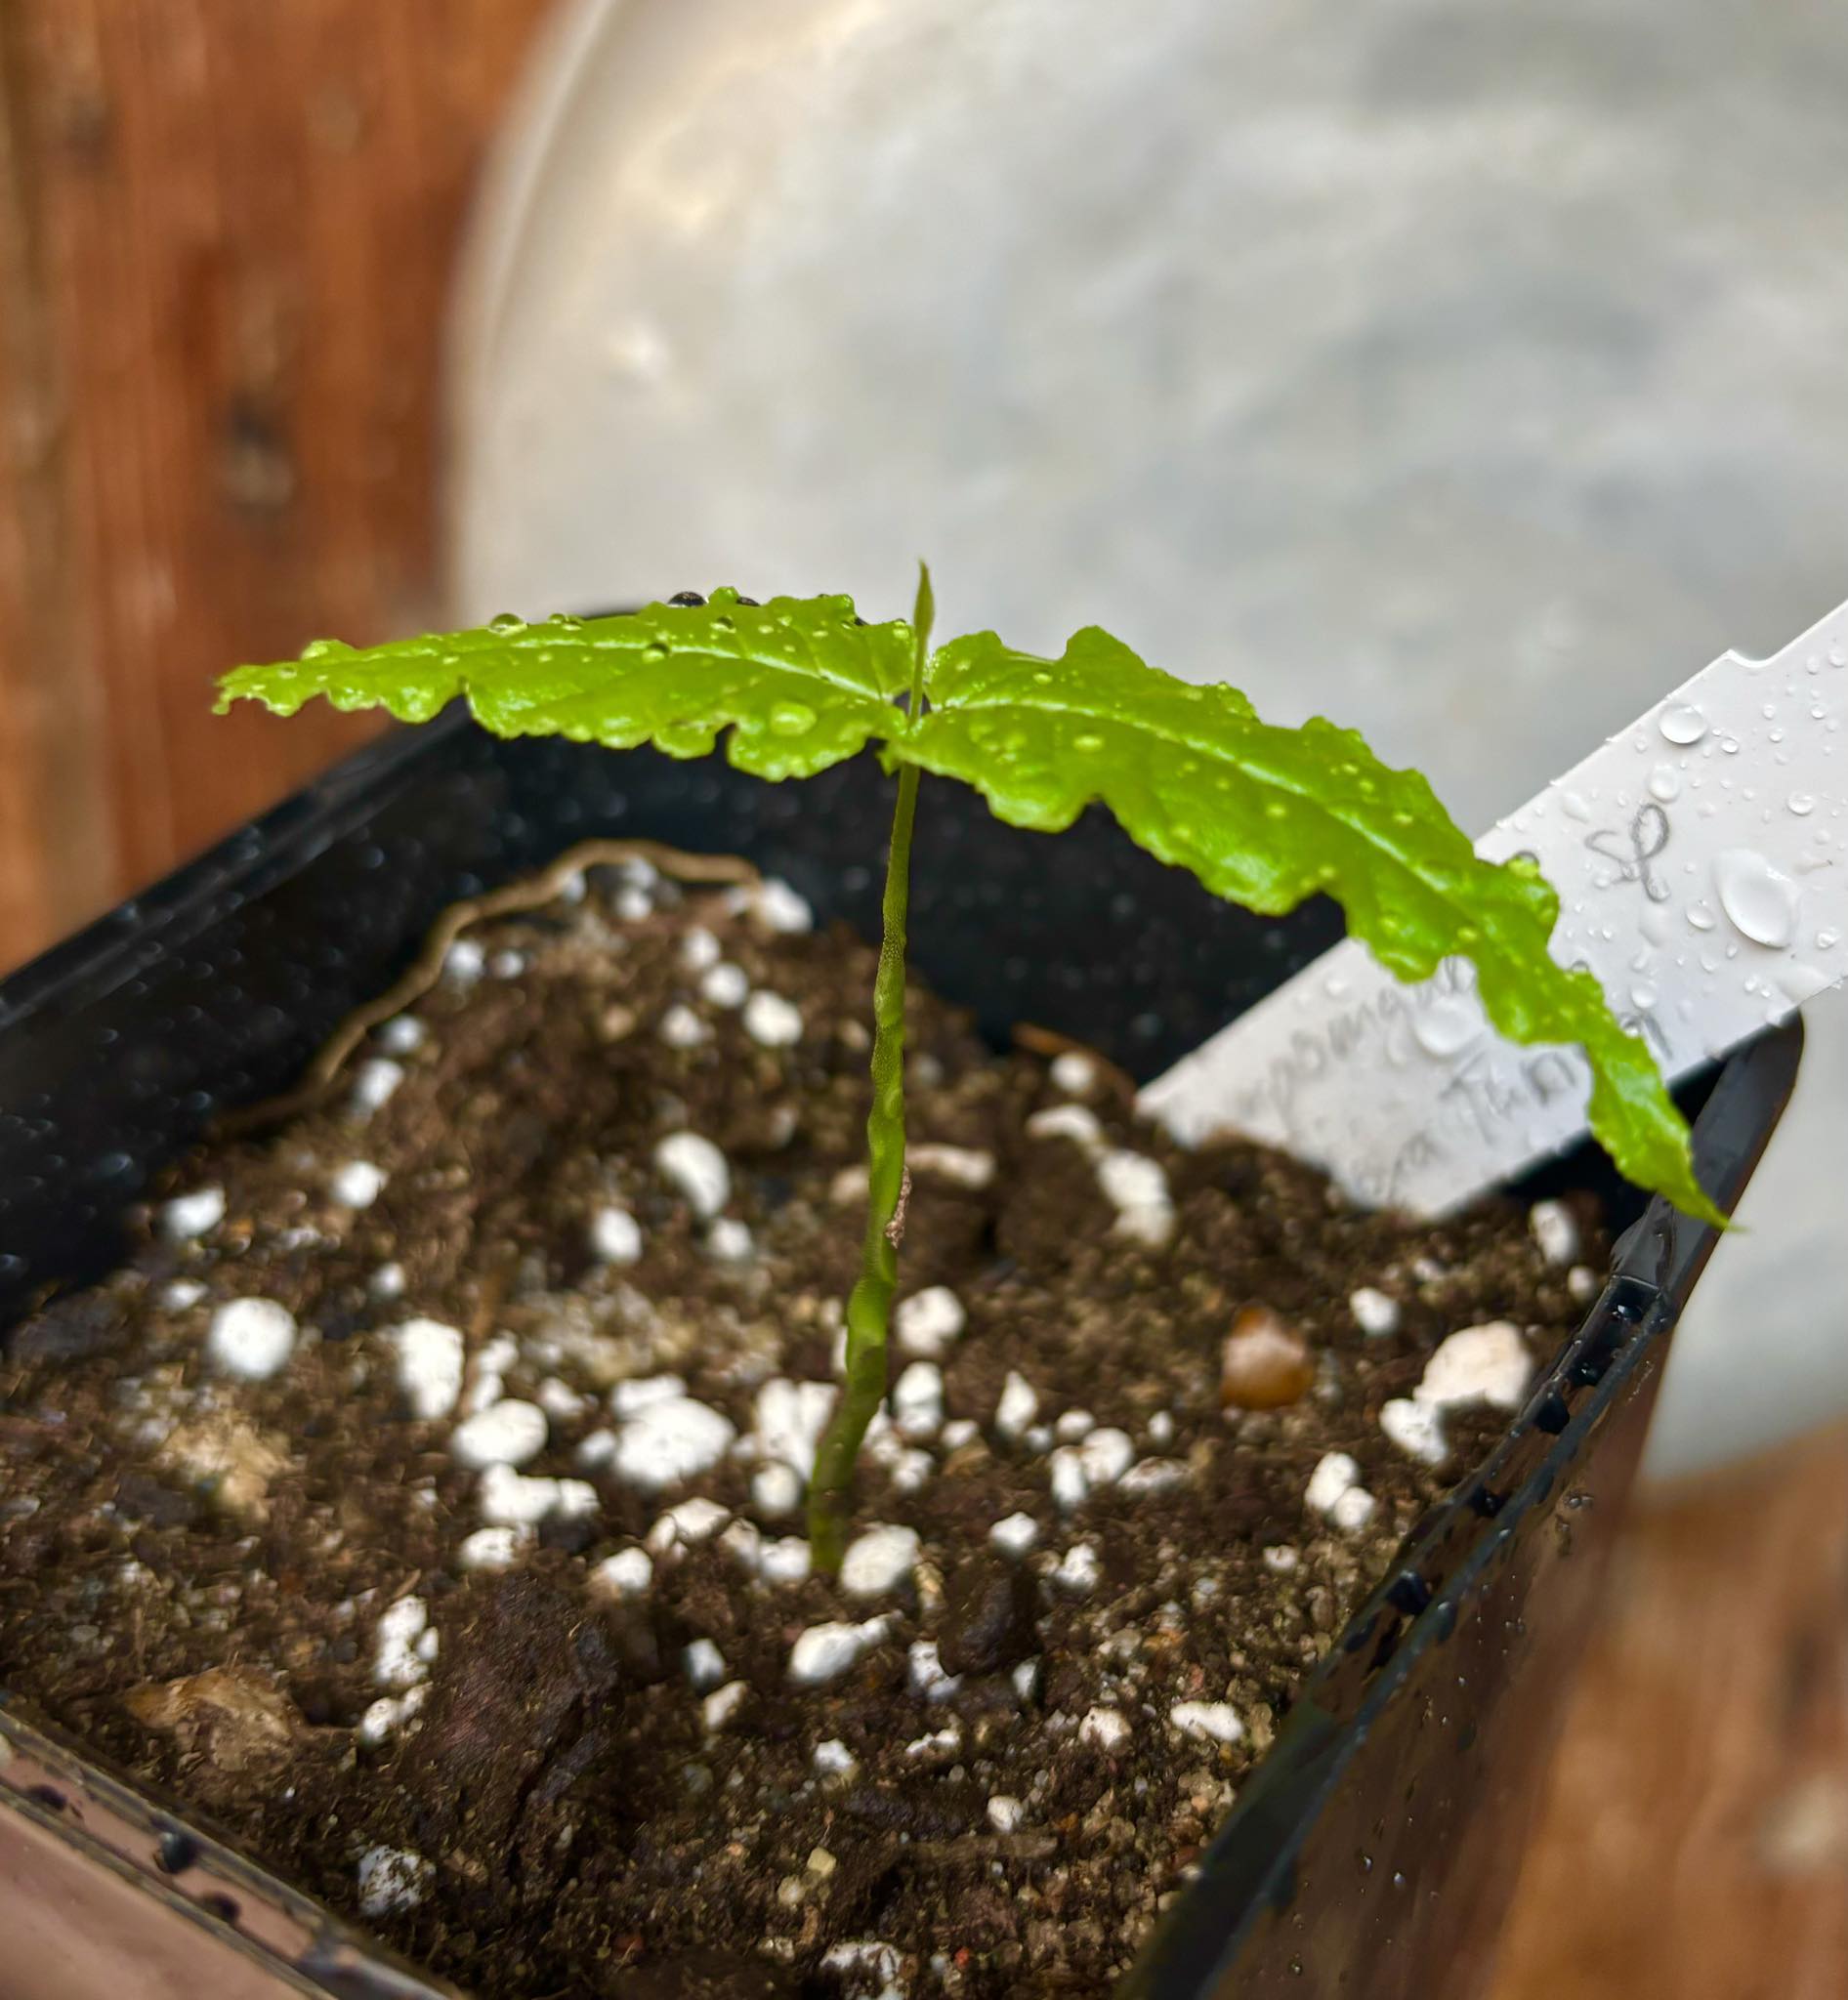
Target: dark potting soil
x,y
422,1505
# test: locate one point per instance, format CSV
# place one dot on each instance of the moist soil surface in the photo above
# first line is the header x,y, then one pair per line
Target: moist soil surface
x,y
463,1585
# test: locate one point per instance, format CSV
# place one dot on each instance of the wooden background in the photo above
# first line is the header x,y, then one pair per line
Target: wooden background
x,y
227,228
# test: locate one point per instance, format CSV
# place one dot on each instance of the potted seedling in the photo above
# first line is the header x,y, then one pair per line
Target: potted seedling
x,y
465,1512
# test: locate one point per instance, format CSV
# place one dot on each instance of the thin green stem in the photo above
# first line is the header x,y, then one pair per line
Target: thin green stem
x,y
869,1304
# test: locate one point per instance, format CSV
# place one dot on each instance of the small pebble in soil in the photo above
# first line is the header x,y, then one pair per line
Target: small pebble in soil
x,y
785,1561
627,1574
730,1241
1105,1454
825,1652
1070,1486
723,1704
669,1441
1068,1121
492,1548
388,1714
776,1490
705,1664
464,962
1280,1558
397,1663
1335,1472
1374,1311
917,1400
1074,1073
682,1029
510,1499
1217,1720
1005,1814
961,1166
879,1562
1482,1364
1014,1533
1137,1187
402,1033
700,949
392,1878
373,1085
643,1391
1017,1408
250,1340
774,904
925,1673
386,1284
1078,1569
1416,1428
683,1526
1265,1365
928,1322
507,1433
192,1215
430,1365
1105,1728
788,1419
1555,1230
698,1169
356,1185
726,985
773,1022
615,1236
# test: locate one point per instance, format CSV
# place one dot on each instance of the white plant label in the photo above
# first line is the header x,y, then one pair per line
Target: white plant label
x,y
1701,863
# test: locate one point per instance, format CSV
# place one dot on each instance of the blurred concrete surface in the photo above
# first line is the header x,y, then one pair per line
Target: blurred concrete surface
x,y
1471,375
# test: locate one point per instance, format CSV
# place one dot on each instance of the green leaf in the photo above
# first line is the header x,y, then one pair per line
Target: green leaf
x,y
798,681
1266,817
1263,816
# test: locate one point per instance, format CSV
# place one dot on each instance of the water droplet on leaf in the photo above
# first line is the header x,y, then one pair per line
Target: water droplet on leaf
x,y
506,621
791,719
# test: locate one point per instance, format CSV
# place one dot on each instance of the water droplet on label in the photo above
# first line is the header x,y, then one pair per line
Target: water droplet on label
x,y
1700,916
1446,1025
506,621
1801,802
1654,923
1836,657
1573,806
1682,723
1643,996
1758,899
1664,783
1827,939
791,719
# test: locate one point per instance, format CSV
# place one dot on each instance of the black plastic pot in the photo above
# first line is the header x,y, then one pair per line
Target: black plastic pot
x,y
1373,1851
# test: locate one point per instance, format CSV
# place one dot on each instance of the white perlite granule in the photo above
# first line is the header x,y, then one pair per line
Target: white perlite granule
x,y
192,1215
669,1441
357,1185
250,1339
1375,1312
429,1362
928,1321
392,1878
507,1433
698,1169
879,1560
